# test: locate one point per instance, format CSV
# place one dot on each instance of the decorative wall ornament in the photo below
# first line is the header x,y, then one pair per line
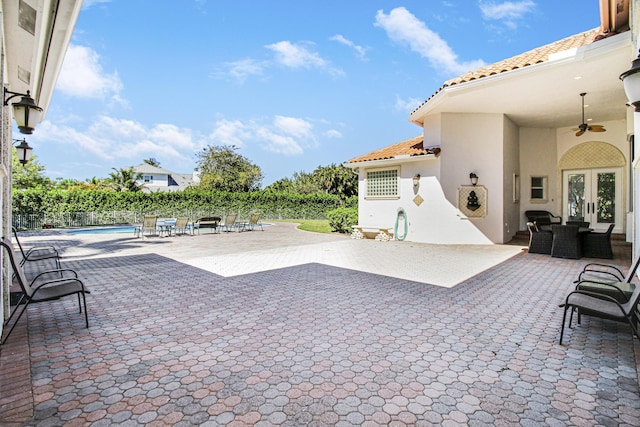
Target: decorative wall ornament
x,y
472,201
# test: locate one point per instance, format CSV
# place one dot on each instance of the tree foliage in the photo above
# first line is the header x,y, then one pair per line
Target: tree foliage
x,y
125,179
222,169
152,162
29,176
332,179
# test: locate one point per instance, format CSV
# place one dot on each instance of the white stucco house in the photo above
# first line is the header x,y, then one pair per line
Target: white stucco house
x,y
515,124
159,179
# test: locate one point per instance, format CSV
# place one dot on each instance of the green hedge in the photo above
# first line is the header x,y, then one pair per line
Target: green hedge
x,y
270,204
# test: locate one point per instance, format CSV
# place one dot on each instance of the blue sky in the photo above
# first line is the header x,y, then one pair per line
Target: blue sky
x,y
293,84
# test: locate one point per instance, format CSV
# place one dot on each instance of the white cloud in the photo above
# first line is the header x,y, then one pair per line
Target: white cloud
x,y
279,143
299,56
230,132
508,11
296,56
361,51
332,134
281,134
403,27
112,139
244,68
407,105
293,126
82,76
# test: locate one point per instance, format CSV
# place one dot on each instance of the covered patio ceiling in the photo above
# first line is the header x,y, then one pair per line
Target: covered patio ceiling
x,y
547,94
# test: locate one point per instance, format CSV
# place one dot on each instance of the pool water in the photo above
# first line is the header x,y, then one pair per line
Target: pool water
x,y
105,230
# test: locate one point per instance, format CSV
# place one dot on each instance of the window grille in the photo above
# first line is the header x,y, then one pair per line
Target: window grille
x,y
382,183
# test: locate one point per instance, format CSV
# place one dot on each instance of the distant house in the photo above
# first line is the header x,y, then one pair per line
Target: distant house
x,y
159,179
515,125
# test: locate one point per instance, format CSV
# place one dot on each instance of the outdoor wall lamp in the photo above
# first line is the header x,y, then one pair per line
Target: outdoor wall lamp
x,y
631,81
416,180
23,150
26,113
474,178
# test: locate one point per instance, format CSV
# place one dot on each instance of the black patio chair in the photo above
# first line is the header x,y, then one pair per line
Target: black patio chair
x,y
36,253
608,273
601,305
539,240
542,217
598,245
566,242
42,288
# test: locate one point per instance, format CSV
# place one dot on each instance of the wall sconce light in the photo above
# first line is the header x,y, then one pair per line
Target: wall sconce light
x,y
26,113
631,81
23,150
474,178
416,180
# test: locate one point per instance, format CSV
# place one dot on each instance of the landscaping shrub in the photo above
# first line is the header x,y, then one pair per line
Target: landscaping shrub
x,y
342,219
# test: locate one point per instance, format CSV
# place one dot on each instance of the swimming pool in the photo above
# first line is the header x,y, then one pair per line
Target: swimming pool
x,y
105,230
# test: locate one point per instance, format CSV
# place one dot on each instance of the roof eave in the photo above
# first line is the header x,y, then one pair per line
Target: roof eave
x,y
390,161
558,59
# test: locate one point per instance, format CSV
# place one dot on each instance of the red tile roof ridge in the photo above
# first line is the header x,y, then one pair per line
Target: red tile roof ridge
x,y
409,148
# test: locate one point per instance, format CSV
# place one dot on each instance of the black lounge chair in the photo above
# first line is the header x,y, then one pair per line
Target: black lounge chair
x,y
539,240
42,288
598,245
602,305
36,253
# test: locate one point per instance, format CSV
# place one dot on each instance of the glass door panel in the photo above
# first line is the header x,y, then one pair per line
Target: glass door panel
x,y
575,204
594,196
606,201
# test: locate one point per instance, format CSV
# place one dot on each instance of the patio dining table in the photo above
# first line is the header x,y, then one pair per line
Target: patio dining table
x,y
567,244
164,226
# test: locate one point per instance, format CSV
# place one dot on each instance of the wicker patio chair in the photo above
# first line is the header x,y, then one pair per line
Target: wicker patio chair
x,y
42,288
601,305
539,240
542,217
598,245
566,241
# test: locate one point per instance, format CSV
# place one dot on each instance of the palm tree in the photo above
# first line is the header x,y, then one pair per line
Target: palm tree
x,y
125,179
152,161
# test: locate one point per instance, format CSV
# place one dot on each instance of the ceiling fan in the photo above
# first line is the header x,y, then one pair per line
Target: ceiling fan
x,y
583,127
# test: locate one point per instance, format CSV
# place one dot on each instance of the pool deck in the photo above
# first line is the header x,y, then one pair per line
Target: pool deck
x,y
289,328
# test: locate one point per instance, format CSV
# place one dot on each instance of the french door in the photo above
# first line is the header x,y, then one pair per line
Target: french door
x,y
594,196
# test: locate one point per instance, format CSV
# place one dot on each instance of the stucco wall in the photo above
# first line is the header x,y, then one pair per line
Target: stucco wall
x,y
474,143
538,157
510,167
435,220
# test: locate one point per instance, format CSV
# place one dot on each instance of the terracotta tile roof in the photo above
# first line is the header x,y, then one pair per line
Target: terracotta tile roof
x,y
532,57
410,147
